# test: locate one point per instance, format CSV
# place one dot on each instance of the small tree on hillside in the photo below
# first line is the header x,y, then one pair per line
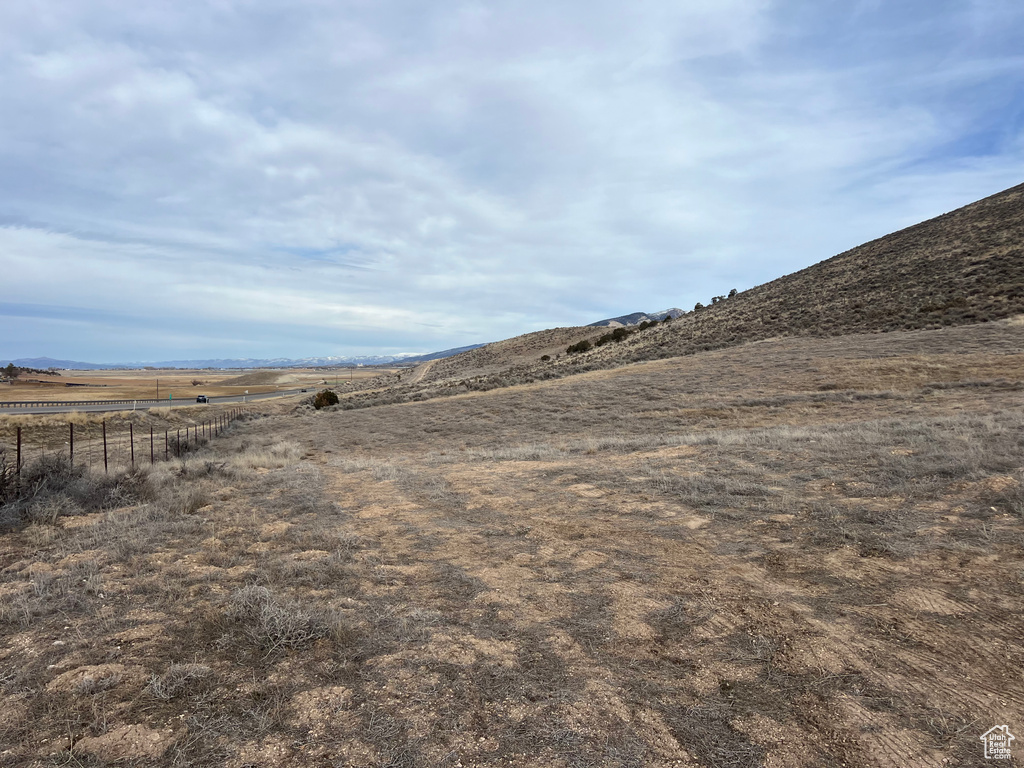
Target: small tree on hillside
x,y
324,398
732,292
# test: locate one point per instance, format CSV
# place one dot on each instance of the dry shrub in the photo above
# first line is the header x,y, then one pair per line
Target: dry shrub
x,y
325,398
274,456
94,685
51,488
47,509
187,500
271,624
178,679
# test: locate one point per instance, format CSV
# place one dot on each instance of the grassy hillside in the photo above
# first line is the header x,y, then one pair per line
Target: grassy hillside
x,y
960,268
523,350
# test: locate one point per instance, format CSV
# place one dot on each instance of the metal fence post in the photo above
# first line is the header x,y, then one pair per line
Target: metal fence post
x,y
104,446
17,461
131,439
152,458
71,443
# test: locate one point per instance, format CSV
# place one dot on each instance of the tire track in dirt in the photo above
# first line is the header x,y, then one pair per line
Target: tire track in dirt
x,y
420,371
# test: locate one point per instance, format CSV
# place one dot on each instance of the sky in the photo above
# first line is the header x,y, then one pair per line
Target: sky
x,y
254,179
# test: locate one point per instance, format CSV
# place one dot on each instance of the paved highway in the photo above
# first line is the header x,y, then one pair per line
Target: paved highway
x,y
121,405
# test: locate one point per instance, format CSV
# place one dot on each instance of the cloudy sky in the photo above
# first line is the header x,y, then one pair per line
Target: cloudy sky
x,y
253,178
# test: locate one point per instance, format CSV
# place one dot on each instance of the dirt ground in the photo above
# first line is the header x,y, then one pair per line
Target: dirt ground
x,y
791,553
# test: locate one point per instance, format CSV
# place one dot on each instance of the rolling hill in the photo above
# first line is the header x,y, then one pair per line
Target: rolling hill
x,y
960,268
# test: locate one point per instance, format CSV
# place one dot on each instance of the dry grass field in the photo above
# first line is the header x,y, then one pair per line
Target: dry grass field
x,y
796,552
120,385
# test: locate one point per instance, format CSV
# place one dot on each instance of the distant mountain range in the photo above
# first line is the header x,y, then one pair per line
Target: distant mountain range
x,y
306,362
278,362
638,317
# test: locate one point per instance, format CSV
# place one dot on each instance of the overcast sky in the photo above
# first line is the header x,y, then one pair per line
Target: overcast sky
x,y
313,177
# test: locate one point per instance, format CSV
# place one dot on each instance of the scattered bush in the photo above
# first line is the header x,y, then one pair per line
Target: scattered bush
x,y
52,487
545,358
325,398
270,624
619,334
177,679
47,509
581,346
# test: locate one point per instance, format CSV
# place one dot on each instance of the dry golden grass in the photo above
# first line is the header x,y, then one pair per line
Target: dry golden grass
x,y
120,385
793,553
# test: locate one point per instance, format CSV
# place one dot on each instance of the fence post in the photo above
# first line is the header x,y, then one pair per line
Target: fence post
x,y
152,458
177,447
71,443
17,461
131,439
166,450
104,445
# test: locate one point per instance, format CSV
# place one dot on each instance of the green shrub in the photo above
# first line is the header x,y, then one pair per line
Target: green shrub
x,y
582,346
324,398
618,334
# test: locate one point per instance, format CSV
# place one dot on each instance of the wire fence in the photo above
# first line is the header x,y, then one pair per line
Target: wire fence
x,y
108,448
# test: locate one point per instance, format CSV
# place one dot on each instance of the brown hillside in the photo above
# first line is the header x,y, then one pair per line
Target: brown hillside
x,y
520,350
960,268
